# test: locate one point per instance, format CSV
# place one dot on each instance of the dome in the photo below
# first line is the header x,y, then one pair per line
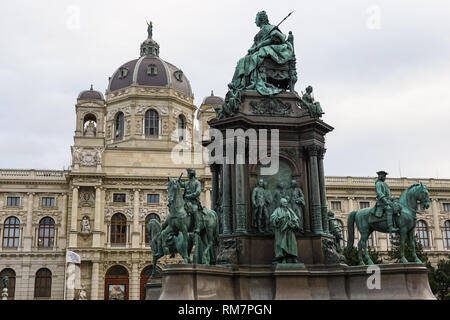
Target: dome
x,y
150,71
212,99
90,94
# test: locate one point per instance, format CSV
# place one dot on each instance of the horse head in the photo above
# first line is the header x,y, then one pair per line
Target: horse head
x,y
423,196
174,189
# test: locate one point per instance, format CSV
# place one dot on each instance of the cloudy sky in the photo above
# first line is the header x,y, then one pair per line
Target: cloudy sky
x,y
381,70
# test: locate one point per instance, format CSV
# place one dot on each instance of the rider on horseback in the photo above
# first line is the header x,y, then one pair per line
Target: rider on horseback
x,y
385,202
192,190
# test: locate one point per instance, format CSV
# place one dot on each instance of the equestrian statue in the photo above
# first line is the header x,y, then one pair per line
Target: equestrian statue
x,y
402,212
188,224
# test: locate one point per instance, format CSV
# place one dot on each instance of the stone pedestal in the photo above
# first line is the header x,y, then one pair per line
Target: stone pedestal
x,y
294,282
153,289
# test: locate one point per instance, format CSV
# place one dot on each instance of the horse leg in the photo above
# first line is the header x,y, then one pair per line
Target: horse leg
x,y
412,244
364,237
184,245
164,235
360,259
402,246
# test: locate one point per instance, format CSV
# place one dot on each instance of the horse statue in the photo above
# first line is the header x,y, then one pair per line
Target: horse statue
x,y
406,222
176,233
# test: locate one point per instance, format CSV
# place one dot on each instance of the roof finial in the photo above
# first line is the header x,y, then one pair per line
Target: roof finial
x,y
212,93
92,87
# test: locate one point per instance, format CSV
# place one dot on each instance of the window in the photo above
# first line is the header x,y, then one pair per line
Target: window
x,y
147,219
152,198
446,206
364,204
13,201
119,126
181,128
422,233
116,283
446,234
119,197
336,205
118,229
152,70
46,235
43,283
151,123
11,274
48,201
11,232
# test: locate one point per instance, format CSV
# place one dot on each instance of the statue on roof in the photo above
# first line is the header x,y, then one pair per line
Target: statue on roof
x,y
150,29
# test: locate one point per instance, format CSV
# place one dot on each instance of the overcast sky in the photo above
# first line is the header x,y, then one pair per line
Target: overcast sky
x,y
380,69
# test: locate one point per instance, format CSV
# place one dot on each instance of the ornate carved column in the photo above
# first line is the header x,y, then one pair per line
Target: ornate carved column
x,y
227,200
74,218
241,206
135,233
438,241
315,207
323,196
27,239
95,280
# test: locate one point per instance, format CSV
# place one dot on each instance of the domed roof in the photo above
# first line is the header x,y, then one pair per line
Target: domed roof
x,y
90,94
150,71
212,99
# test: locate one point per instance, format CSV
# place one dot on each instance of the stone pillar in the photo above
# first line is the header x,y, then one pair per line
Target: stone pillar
x,y
62,230
227,200
97,214
208,198
438,241
134,283
315,207
95,280
135,233
215,185
323,196
27,239
241,206
74,219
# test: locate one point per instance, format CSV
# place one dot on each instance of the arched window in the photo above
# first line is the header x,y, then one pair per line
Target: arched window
x,y
147,219
116,283
119,126
446,234
43,283
151,124
11,274
46,235
422,233
118,229
181,128
11,230
145,274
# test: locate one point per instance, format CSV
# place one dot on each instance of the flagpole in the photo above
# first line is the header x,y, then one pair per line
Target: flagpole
x,y
65,280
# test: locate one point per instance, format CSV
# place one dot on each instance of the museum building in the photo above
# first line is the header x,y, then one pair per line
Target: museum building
x,y
121,158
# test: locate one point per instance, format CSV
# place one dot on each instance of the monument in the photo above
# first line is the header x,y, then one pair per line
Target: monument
x,y
275,236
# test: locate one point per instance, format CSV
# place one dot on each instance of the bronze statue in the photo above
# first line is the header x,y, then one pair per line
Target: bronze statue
x,y
296,201
307,101
386,204
336,230
285,224
260,209
192,190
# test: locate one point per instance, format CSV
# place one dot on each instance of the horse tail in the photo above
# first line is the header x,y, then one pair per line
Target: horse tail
x,y
351,230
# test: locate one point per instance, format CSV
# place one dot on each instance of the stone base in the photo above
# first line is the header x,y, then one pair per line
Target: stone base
x,y
153,289
293,282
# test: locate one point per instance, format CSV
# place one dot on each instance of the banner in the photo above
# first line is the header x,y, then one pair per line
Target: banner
x,y
72,257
